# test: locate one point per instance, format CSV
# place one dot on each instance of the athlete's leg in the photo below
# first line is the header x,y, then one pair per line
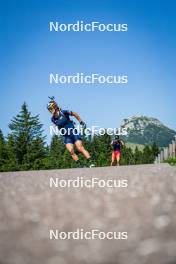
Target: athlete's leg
x,y
81,149
118,159
70,148
112,159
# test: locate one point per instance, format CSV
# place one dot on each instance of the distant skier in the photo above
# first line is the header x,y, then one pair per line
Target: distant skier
x,y
61,118
117,144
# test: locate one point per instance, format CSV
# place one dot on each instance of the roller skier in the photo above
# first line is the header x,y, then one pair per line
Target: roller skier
x,y
72,138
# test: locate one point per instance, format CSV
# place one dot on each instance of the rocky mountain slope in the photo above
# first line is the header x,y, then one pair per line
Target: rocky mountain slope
x,y
147,130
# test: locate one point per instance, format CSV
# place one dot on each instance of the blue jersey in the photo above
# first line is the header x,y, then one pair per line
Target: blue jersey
x,y
63,119
116,145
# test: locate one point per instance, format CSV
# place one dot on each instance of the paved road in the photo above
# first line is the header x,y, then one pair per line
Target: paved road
x,y
146,210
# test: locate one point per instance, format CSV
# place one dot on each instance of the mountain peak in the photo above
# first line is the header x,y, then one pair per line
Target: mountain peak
x,y
147,130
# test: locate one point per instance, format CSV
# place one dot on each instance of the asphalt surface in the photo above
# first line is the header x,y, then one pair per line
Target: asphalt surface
x,y
146,210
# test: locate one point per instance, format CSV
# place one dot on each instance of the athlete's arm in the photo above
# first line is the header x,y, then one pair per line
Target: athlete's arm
x,y
76,116
112,143
122,143
82,123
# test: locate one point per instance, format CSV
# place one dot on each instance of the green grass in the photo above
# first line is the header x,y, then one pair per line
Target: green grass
x,y
171,161
134,145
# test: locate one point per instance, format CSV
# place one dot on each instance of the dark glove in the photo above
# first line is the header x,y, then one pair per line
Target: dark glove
x,y
83,124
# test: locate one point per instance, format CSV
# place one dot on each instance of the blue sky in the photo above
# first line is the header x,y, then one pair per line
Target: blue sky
x,y
146,53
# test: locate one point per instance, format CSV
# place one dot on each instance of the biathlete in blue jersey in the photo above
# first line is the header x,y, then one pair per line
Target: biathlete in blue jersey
x,y
61,118
116,144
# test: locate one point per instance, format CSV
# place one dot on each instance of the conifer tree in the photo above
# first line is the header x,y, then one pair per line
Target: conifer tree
x,y
147,155
3,153
155,149
11,164
137,156
56,152
27,133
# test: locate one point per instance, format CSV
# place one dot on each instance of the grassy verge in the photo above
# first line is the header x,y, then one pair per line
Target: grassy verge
x,y
171,161
133,146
